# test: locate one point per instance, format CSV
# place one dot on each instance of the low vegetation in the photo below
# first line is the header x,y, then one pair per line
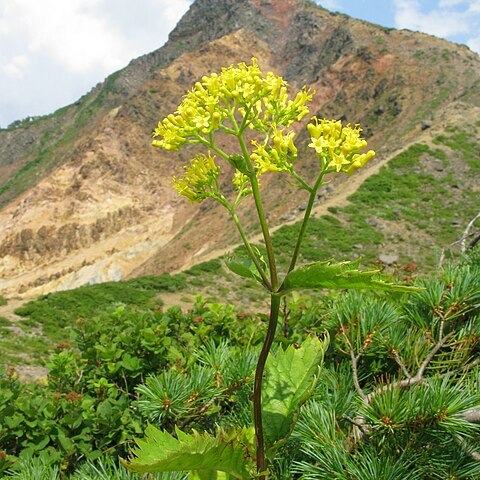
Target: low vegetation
x,y
416,212
130,365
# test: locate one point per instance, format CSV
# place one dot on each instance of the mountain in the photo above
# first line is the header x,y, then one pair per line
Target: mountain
x,y
85,198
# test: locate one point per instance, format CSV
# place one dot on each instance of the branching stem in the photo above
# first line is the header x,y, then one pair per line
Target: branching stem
x,y
250,251
306,217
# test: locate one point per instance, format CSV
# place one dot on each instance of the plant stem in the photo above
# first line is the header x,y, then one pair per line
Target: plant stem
x,y
250,252
261,215
257,387
274,308
266,234
306,217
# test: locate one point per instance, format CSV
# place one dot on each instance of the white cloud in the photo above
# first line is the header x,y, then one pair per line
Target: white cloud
x,y
54,51
16,67
70,31
452,19
173,10
441,22
450,3
474,44
474,6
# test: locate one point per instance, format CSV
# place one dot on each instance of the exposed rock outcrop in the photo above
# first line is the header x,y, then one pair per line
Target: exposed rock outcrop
x,y
83,196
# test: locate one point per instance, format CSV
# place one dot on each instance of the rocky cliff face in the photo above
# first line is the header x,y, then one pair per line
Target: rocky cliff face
x,y
85,198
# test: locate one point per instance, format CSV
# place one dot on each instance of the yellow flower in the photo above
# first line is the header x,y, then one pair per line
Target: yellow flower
x,y
241,183
338,146
200,180
359,161
338,161
263,160
263,98
278,157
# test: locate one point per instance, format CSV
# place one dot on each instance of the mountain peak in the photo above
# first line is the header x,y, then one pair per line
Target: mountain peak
x,y
84,197
207,20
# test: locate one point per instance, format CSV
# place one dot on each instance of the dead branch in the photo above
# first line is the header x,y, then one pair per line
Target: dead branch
x,y
400,363
472,415
418,376
466,233
354,359
463,240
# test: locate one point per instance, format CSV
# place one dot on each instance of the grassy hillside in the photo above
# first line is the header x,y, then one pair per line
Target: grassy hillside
x,y
409,211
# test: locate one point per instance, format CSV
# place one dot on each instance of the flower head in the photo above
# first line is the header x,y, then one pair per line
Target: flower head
x,y
241,183
277,156
241,91
200,180
338,146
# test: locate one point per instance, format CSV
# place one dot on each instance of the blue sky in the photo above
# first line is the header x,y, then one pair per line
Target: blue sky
x,y
54,51
455,20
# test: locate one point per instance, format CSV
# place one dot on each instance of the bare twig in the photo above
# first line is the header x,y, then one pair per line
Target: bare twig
x,y
476,239
418,378
442,325
441,342
360,430
466,233
200,412
463,240
355,359
475,362
358,422
355,373
400,363
442,257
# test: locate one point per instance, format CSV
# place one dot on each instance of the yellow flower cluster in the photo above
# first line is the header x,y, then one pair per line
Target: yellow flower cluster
x,y
278,157
241,183
338,145
259,99
200,180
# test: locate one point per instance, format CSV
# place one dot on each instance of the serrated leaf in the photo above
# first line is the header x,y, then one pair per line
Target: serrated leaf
x,y
201,453
243,269
343,275
290,377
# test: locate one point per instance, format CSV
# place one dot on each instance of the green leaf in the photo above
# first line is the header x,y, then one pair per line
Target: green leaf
x,y
243,269
343,275
202,453
65,442
131,363
289,382
209,475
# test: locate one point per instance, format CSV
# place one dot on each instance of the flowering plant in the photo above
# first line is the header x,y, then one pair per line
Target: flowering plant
x,y
243,99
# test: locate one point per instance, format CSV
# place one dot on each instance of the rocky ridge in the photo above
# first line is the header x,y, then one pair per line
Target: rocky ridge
x,y
85,197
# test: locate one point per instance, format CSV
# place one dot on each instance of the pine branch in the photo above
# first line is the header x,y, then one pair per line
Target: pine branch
x,y
418,378
354,359
400,363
